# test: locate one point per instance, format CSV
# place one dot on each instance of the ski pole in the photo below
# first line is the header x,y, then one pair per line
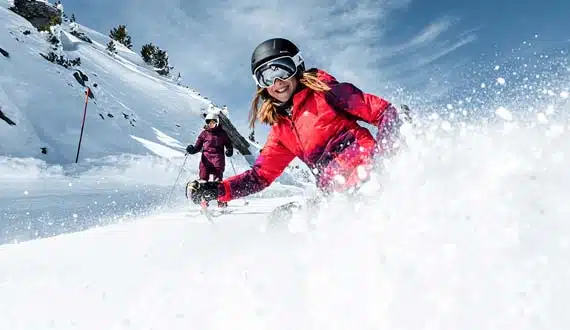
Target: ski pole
x,y
231,162
83,122
177,178
245,201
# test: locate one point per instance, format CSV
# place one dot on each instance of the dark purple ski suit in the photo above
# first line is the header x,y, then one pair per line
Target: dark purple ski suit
x,y
211,143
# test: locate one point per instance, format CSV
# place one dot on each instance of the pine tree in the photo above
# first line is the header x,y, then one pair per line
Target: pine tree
x,y
147,52
121,35
111,47
160,62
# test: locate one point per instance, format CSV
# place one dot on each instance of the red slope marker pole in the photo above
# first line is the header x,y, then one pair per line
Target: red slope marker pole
x,y
83,122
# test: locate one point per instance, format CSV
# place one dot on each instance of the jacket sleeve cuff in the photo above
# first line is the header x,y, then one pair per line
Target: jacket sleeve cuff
x,y
224,192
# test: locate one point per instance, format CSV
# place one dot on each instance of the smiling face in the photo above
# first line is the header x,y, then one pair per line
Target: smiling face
x,y
211,123
282,90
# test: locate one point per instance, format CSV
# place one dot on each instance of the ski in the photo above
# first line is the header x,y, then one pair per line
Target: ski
x,y
205,211
210,214
282,214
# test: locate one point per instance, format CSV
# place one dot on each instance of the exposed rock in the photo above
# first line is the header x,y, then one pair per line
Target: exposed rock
x,y
5,53
79,79
238,141
40,14
61,60
82,36
6,119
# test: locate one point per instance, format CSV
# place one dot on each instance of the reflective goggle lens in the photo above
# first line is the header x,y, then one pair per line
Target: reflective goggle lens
x,y
282,68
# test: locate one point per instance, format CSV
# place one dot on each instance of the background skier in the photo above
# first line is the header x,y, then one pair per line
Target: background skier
x,y
312,117
211,142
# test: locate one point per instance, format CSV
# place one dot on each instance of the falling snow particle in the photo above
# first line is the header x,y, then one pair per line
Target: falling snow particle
x,y
564,94
497,68
75,215
501,81
504,113
449,106
340,179
550,110
26,192
433,116
483,85
446,126
541,118
555,130
362,172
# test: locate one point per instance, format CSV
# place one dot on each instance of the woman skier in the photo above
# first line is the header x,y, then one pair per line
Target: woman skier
x,y
312,117
211,142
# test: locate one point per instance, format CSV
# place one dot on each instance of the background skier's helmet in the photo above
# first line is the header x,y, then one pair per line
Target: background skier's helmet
x,y
211,116
273,49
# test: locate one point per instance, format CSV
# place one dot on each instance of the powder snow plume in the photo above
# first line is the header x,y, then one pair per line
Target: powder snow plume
x,y
469,229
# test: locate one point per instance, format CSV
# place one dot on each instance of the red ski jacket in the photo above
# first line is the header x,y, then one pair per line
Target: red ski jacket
x,y
321,130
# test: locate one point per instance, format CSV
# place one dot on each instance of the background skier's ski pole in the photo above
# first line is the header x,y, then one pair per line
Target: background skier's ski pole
x,y
245,201
177,178
233,167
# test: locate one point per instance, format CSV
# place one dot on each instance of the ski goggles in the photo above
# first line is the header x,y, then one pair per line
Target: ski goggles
x,y
282,68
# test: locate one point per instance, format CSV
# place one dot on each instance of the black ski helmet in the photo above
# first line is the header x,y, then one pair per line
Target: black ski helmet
x,y
272,48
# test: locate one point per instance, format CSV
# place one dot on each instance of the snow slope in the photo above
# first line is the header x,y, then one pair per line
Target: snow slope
x,y
132,108
136,129
468,229
471,232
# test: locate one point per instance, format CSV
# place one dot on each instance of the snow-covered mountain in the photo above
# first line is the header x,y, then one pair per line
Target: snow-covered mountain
x,y
136,128
133,109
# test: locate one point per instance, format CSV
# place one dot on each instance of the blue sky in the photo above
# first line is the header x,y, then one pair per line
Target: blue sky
x,y
426,47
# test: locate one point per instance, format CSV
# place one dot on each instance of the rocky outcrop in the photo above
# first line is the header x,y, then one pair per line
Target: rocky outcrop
x,y
80,77
4,52
6,119
238,141
40,14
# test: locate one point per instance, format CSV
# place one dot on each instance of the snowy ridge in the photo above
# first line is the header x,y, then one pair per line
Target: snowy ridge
x,y
137,127
131,102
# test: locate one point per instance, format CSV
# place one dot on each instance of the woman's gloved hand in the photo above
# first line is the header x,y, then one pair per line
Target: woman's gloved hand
x,y
191,149
199,190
